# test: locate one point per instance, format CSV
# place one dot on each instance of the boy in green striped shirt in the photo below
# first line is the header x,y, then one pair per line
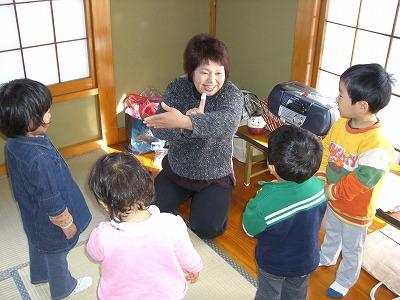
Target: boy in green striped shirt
x,y
285,215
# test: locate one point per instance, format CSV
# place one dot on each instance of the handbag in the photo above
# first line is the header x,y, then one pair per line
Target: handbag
x,y
272,122
251,104
140,138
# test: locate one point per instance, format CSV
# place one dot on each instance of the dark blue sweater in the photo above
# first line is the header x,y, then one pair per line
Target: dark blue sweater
x,y
206,152
285,217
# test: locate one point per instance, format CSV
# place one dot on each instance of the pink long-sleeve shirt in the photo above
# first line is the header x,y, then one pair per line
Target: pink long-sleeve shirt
x,y
144,260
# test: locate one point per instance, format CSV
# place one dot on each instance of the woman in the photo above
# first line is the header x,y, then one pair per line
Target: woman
x,y
199,115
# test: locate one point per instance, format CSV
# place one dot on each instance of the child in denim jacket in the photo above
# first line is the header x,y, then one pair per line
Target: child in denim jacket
x,y
53,209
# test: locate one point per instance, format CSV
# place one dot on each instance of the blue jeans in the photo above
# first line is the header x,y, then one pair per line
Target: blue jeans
x,y
51,268
272,287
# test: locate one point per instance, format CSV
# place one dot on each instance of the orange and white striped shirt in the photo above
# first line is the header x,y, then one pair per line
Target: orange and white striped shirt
x,y
354,163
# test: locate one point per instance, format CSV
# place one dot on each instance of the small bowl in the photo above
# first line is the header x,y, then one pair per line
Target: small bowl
x,y
255,131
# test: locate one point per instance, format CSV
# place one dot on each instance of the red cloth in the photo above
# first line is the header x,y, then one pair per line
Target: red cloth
x,y
141,107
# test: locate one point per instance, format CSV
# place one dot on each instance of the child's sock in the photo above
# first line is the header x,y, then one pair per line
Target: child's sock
x,y
336,290
325,265
82,284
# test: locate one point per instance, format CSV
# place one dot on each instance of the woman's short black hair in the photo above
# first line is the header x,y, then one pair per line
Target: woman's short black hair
x,y
122,184
200,49
295,152
370,83
23,103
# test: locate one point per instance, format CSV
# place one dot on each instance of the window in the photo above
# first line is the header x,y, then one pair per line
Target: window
x,y
68,47
48,41
355,32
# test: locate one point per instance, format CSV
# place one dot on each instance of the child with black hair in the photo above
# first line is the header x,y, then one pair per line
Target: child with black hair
x,y
144,254
356,157
53,209
286,214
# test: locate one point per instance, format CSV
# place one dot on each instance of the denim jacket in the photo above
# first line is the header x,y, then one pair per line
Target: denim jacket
x,y
43,186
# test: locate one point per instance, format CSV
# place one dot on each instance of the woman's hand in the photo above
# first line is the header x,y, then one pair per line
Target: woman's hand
x,y
171,118
200,109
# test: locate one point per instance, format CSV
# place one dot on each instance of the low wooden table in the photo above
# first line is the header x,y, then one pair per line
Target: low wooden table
x,y
146,159
390,218
258,141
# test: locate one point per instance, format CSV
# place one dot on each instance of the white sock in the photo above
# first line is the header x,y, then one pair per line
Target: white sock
x,y
325,265
82,284
339,288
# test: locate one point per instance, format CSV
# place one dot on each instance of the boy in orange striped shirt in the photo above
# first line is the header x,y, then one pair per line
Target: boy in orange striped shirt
x,y
356,157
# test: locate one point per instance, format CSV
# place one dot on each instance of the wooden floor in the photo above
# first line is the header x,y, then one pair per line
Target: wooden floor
x,y
240,247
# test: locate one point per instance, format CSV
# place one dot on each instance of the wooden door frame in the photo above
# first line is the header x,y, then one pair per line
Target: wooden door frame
x,y
309,34
212,21
104,69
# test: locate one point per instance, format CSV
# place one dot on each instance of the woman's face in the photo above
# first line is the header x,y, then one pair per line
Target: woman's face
x,y
209,78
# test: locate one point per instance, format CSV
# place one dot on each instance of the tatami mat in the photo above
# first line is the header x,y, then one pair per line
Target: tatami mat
x,y
13,245
8,290
220,278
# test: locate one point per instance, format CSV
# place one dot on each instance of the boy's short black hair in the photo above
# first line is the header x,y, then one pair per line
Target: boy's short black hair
x,y
295,152
370,83
23,103
122,184
200,49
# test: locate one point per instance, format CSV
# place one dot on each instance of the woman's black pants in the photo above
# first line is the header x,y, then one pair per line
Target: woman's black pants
x,y
209,207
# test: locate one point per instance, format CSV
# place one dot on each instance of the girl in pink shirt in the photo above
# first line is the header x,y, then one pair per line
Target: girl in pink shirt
x,y
144,254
